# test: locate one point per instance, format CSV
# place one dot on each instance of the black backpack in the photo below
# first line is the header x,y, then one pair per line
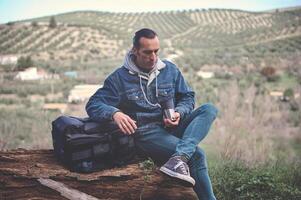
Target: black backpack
x,y
86,146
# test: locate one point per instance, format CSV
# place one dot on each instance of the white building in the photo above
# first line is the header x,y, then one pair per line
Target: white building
x,y
32,73
276,94
55,106
81,93
8,59
205,75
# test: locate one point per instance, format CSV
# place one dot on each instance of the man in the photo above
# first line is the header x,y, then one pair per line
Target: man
x,y
133,96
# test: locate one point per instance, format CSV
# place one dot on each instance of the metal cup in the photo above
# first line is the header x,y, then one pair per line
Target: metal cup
x,y
168,109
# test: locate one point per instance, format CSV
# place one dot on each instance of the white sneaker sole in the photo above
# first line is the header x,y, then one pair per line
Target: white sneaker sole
x,y
177,175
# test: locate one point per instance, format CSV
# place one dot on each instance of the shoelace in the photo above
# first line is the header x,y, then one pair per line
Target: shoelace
x,y
183,169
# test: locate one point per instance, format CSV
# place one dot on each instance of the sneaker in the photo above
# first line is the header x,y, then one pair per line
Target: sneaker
x,y
177,168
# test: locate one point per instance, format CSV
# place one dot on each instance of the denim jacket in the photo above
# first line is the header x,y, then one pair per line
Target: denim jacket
x,y
126,92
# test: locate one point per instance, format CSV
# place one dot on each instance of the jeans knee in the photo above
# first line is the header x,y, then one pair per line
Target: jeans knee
x,y
209,109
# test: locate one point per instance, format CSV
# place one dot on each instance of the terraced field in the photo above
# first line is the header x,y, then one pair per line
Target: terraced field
x,y
63,42
94,35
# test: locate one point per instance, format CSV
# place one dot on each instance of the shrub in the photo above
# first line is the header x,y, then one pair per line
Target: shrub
x,y
294,106
289,93
273,78
34,23
24,62
268,71
270,74
10,23
295,119
52,22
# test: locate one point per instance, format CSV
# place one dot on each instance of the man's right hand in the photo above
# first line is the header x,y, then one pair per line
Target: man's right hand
x,y
126,124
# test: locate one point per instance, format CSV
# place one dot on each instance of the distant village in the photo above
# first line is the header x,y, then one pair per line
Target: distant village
x,y
78,94
81,93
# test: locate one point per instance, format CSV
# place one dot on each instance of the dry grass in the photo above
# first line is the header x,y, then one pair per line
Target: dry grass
x,y
252,128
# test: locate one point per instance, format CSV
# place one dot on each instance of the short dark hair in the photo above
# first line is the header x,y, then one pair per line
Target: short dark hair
x,y
145,32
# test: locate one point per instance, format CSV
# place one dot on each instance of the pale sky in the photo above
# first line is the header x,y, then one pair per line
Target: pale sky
x,y
13,10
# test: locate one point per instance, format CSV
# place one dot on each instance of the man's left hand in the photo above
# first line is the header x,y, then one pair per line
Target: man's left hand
x,y
170,123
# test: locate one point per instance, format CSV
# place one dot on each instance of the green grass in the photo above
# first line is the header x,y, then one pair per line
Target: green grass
x,y
211,153
44,87
296,145
25,128
285,81
234,180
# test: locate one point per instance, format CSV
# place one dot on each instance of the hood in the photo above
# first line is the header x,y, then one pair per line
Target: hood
x,y
133,69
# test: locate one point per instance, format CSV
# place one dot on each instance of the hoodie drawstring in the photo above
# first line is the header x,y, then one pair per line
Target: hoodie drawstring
x,y
144,95
156,83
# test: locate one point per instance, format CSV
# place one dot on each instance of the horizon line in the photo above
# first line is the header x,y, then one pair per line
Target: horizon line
x,y
155,11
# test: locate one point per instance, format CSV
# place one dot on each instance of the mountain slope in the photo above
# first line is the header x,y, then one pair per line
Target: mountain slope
x,y
88,35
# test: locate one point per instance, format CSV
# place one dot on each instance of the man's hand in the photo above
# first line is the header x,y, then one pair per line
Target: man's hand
x,y
126,124
169,123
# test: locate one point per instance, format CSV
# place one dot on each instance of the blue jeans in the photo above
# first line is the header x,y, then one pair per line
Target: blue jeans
x,y
160,144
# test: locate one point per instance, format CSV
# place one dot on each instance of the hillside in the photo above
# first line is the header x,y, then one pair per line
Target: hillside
x,y
211,36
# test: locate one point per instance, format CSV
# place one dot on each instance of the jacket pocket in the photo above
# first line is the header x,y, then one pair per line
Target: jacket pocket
x,y
134,95
165,92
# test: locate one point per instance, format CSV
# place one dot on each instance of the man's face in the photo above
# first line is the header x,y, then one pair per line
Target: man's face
x,y
146,54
